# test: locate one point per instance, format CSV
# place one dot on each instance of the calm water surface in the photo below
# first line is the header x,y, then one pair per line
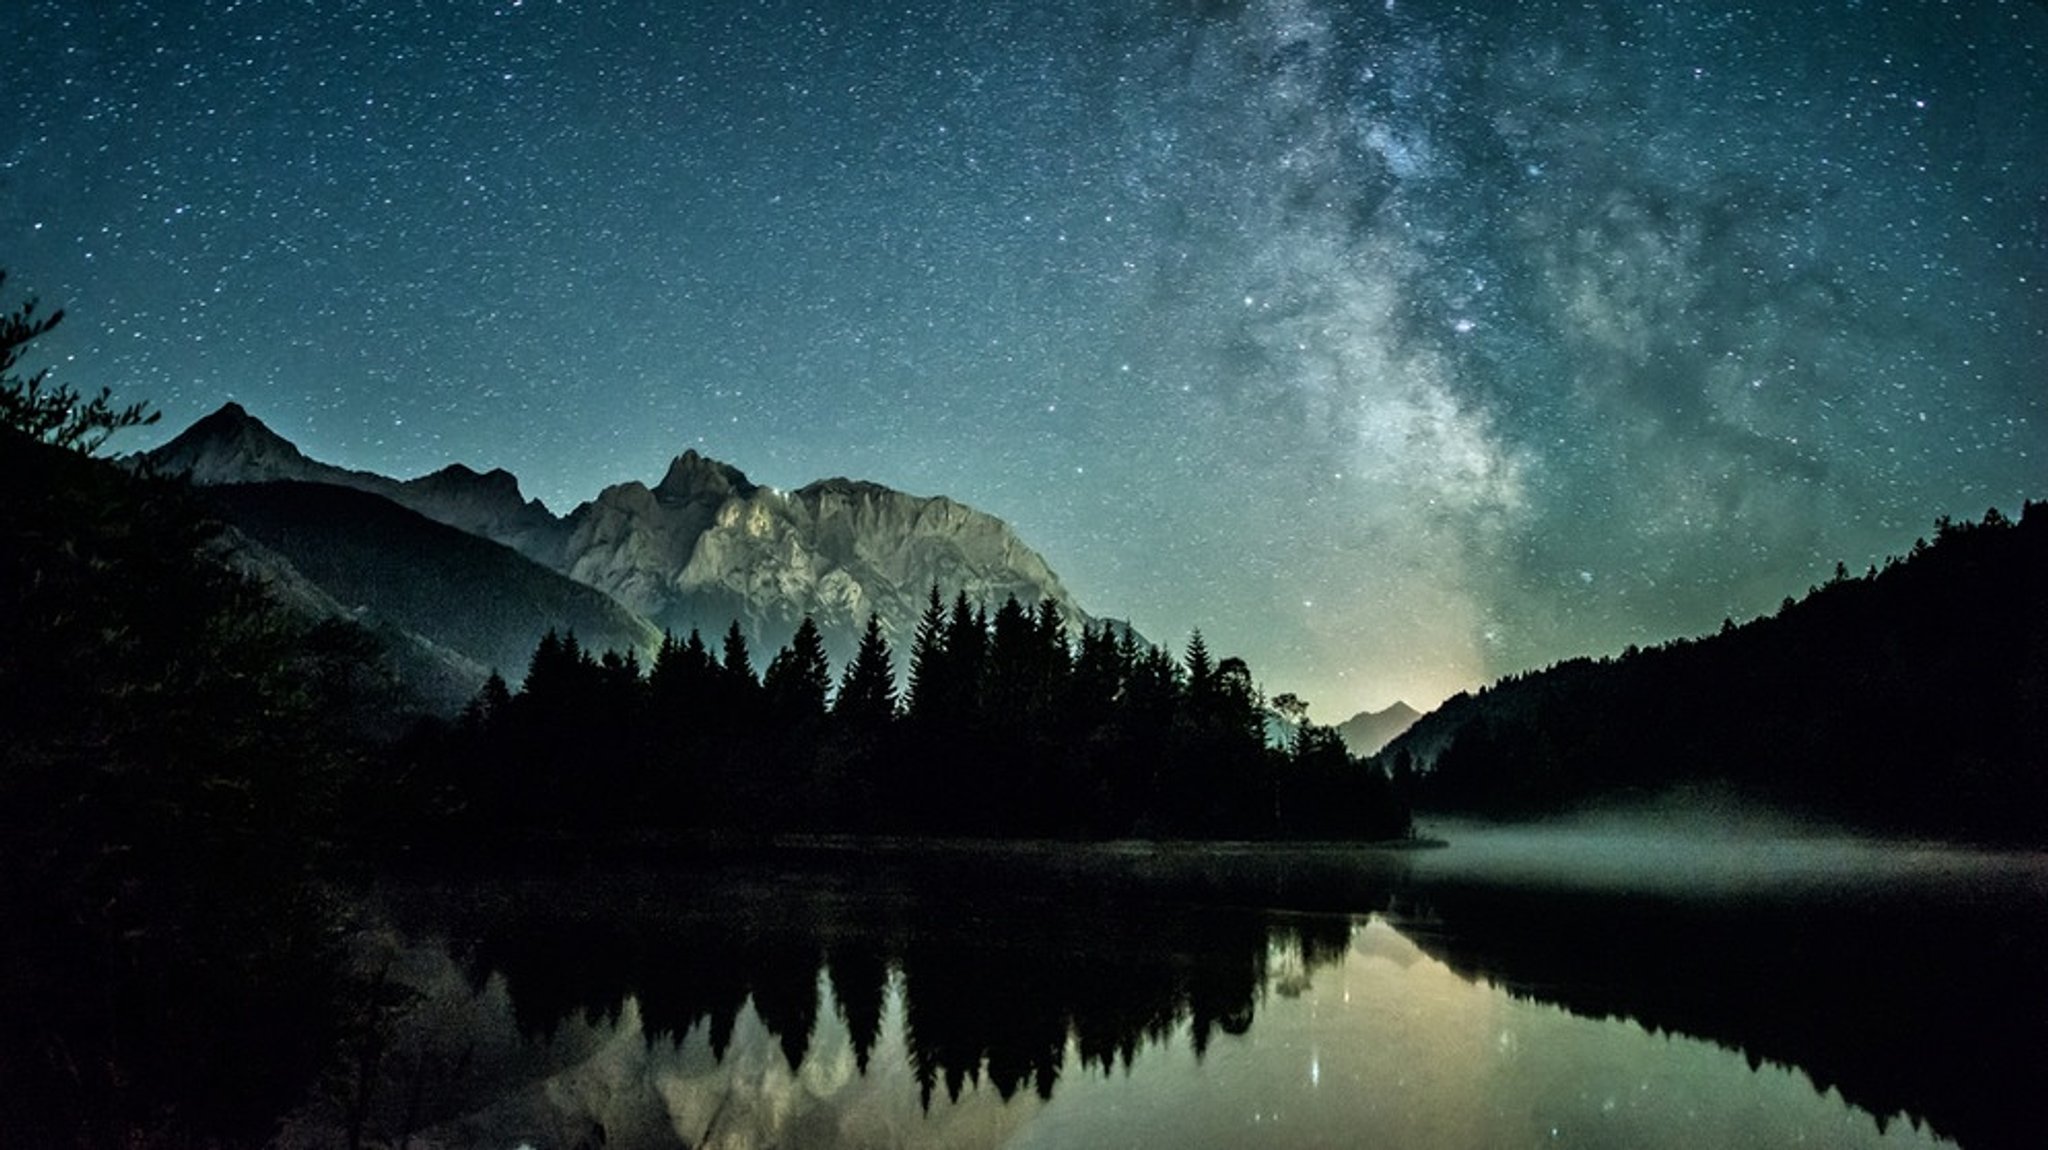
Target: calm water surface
x,y
1503,992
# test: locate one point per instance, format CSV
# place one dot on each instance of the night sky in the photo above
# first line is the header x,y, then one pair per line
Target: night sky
x,y
1395,344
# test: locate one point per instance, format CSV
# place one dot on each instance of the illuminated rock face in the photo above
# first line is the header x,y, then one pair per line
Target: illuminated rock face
x,y
702,547
706,546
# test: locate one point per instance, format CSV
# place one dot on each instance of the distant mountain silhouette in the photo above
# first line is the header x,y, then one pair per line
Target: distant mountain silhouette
x,y
700,548
454,591
1913,699
233,446
1367,731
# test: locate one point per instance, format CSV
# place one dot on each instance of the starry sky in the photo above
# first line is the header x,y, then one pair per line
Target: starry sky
x,y
1395,344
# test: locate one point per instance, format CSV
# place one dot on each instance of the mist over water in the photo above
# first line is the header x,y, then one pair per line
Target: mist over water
x,y
1686,972
1702,844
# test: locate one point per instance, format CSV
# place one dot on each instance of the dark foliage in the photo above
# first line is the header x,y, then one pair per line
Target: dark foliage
x,y
179,757
1010,728
173,759
57,416
1913,699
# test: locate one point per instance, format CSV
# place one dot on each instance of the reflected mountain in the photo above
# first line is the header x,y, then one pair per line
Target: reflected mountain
x,y
971,981
992,989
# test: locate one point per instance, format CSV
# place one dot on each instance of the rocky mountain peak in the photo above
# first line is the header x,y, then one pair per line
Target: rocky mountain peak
x,y
232,446
488,504
852,488
496,486
694,478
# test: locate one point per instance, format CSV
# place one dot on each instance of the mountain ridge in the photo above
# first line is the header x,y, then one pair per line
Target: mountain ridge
x,y
455,590
703,546
1368,731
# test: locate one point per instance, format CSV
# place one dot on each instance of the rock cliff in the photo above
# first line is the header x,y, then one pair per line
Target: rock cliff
x,y
707,546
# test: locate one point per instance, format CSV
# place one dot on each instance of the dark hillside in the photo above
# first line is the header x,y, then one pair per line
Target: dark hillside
x,y
461,591
1911,699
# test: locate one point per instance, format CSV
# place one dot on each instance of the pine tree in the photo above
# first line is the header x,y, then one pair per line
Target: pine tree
x,y
552,666
1056,650
667,659
1013,664
1092,686
739,670
867,693
925,693
488,707
684,692
54,415
1201,671
799,677
1239,710
620,672
683,679
966,659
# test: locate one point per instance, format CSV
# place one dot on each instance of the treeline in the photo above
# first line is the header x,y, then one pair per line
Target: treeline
x,y
1912,698
1006,726
190,767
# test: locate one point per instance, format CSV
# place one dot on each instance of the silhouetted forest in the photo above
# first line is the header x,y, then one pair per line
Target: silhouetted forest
x,y
174,750
188,767
189,764
1911,698
1005,728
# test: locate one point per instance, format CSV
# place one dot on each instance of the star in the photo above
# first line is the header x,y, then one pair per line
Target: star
x,y
1562,290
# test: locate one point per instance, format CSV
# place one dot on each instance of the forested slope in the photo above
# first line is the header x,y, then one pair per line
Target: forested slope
x,y
1913,698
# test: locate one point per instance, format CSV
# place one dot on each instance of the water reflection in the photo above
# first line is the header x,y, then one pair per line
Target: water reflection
x,y
1360,1038
999,1004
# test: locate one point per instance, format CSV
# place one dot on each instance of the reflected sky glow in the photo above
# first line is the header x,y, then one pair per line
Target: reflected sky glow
x,y
1386,1047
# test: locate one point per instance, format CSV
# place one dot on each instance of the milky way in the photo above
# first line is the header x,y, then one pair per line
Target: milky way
x,y
1395,345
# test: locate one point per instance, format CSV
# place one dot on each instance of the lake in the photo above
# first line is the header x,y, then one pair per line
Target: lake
x,y
1587,987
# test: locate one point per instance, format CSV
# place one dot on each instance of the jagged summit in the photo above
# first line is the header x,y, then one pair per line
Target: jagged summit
x,y
488,504
458,480
701,479
464,474
840,485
